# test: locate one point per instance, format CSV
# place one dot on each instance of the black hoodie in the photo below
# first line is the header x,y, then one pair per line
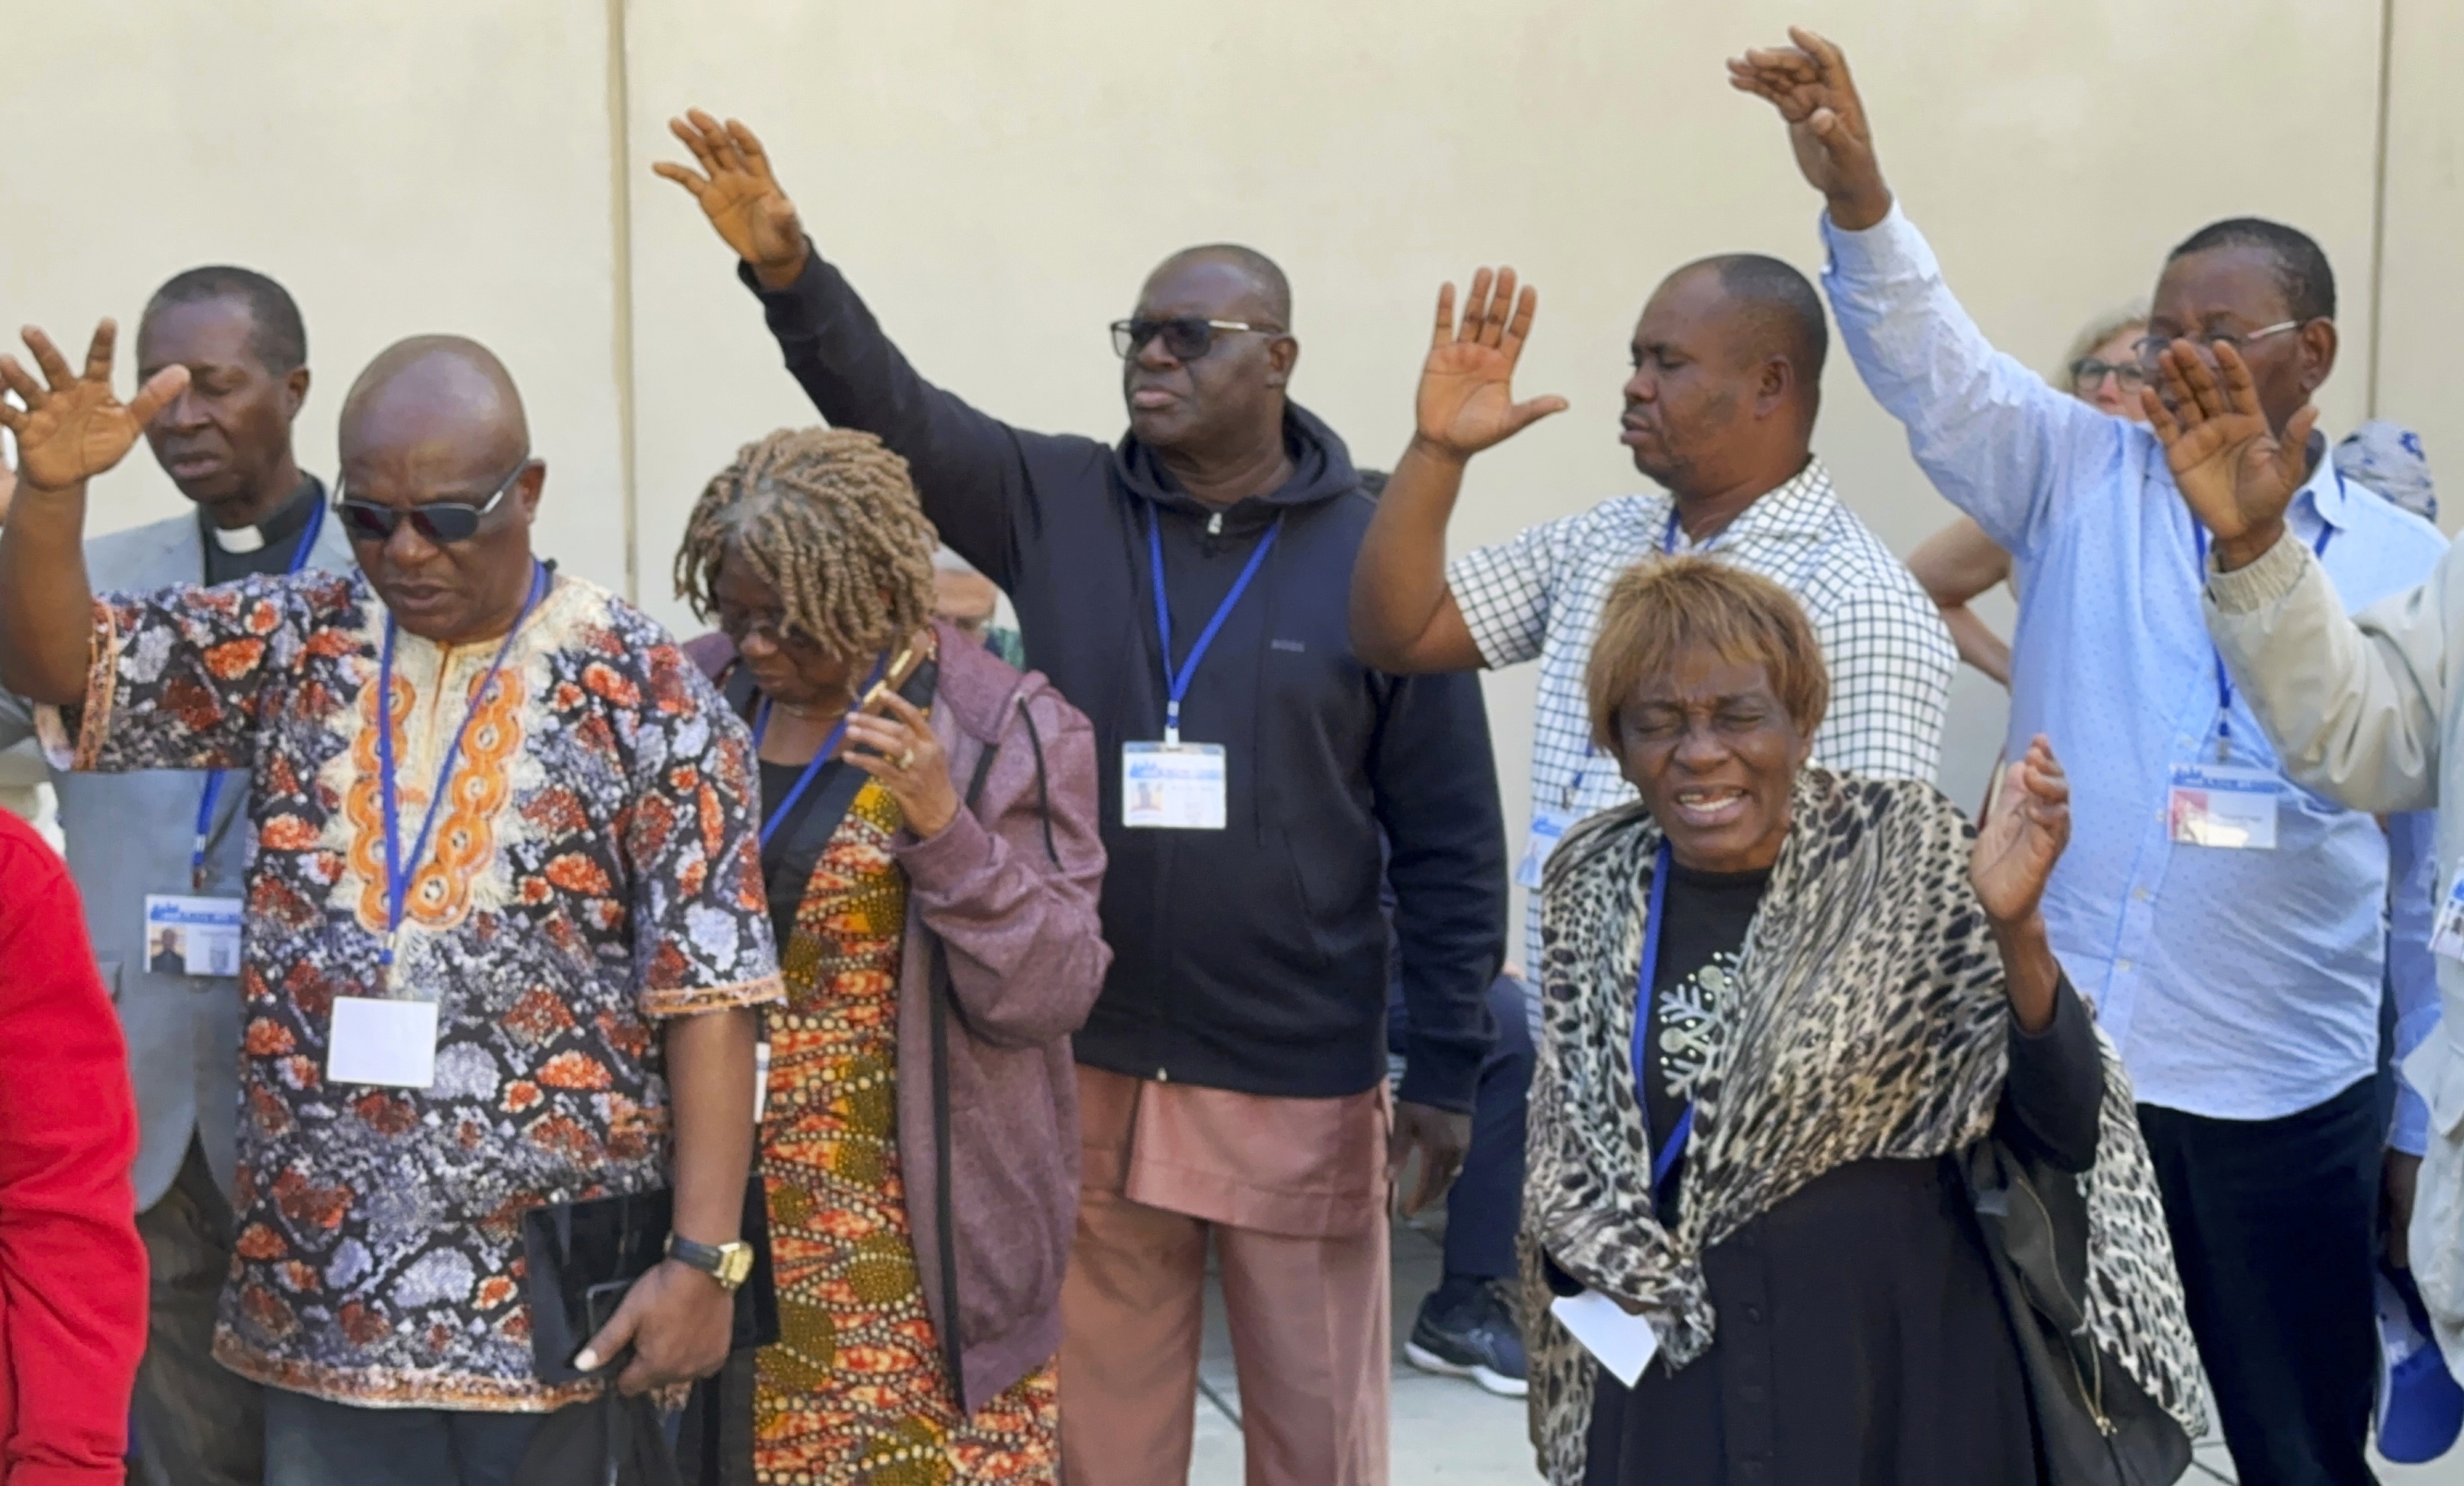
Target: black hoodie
x,y
1252,958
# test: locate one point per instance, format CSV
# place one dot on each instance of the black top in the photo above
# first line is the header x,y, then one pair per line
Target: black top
x,y
1252,958
1859,1339
1705,918
280,533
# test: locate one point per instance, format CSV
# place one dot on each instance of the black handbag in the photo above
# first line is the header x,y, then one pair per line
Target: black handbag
x,y
584,1256
2095,1425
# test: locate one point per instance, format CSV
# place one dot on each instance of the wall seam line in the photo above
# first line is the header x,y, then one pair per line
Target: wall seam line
x,y
2379,202
621,241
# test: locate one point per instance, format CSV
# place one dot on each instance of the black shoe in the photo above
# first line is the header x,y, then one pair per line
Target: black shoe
x,y
1476,1340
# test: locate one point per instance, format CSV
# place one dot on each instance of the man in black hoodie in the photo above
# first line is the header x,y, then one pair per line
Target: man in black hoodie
x,y
1186,588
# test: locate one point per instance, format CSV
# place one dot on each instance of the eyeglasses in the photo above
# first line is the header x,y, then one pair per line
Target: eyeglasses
x,y
739,626
2087,374
438,520
1187,337
2151,347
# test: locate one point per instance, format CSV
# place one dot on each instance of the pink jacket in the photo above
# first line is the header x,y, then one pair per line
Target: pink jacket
x,y
1006,898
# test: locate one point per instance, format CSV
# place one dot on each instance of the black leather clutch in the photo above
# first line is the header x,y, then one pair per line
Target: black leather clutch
x,y
585,1255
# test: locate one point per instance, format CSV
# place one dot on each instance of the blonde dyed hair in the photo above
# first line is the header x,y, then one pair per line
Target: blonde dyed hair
x,y
828,518
1662,610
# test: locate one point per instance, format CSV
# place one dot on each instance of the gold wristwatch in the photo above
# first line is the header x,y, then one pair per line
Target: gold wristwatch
x,y
730,1264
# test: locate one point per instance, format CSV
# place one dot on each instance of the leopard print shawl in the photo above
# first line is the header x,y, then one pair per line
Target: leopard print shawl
x,y
1867,1020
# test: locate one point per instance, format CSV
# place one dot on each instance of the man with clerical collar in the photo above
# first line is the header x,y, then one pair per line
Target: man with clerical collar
x,y
504,932
138,842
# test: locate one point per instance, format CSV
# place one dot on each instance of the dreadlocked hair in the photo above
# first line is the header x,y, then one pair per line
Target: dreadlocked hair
x,y
827,517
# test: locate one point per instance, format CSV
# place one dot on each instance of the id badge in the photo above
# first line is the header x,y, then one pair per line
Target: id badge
x,y
2223,804
191,936
2447,938
391,1043
1172,787
1547,829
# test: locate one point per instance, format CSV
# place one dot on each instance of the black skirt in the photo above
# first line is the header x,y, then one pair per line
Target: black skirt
x,y
1858,1342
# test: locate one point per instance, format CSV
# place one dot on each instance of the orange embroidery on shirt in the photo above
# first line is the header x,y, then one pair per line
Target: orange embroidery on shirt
x,y
465,837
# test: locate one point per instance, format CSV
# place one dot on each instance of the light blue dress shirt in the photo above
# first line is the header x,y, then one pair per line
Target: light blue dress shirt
x,y
2239,984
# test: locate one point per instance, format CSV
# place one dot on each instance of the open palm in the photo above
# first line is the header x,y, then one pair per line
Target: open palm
x,y
1466,398
2230,466
736,190
73,427
2023,837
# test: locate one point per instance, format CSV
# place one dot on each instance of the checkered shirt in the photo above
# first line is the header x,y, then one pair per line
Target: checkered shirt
x,y
1539,596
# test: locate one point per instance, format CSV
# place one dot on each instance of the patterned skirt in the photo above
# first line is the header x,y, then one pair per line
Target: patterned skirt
x,y
854,1394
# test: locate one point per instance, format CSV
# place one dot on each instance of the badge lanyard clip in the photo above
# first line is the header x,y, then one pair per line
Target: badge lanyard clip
x,y
397,871
1663,1160
2223,678
1176,683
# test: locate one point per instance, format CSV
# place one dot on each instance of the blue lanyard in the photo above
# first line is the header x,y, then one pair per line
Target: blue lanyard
x,y
397,870
1176,683
2224,680
1663,1160
215,780
822,757
1669,537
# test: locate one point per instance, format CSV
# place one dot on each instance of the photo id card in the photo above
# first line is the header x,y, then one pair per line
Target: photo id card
x,y
191,936
1547,829
385,1042
1172,787
2447,937
2225,806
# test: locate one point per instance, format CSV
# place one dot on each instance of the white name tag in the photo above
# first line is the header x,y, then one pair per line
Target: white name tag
x,y
2225,806
2448,937
191,936
386,1042
1623,1342
1172,787
1547,829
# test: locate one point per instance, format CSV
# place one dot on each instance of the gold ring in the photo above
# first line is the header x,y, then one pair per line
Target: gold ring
x,y
906,759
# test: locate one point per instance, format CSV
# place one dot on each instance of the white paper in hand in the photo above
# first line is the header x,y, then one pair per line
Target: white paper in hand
x,y
1623,1342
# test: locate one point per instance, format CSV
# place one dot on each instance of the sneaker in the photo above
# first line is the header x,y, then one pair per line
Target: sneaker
x,y
1478,1340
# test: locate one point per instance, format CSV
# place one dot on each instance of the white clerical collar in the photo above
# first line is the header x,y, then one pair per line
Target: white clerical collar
x,y
237,538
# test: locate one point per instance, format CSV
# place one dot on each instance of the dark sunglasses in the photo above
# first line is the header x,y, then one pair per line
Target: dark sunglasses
x,y
437,521
1187,337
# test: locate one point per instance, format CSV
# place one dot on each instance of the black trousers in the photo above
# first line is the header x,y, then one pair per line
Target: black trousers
x,y
2275,1230
1485,1207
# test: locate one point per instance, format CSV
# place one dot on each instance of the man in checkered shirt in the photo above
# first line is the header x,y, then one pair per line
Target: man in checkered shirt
x,y
1720,411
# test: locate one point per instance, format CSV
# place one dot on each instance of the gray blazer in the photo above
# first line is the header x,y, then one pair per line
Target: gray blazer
x,y
131,834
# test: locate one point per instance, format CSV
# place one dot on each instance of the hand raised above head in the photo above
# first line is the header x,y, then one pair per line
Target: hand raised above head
x,y
2233,472
739,194
1466,398
73,427
1810,84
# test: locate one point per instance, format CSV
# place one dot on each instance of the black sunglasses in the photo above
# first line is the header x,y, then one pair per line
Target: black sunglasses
x,y
1187,337
438,520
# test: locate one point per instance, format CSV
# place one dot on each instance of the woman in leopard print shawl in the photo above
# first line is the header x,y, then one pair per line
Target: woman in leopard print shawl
x,y
1865,1019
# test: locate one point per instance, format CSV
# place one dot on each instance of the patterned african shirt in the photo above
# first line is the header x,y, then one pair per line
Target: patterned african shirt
x,y
594,870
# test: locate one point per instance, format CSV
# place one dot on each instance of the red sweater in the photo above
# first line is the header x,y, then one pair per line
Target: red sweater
x,y
72,1269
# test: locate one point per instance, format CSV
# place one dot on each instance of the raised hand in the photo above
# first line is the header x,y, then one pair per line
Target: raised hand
x,y
1466,398
2233,472
73,428
7,484
1810,85
2023,837
740,195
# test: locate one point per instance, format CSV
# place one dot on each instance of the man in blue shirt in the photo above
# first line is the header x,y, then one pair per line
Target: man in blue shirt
x,y
2229,926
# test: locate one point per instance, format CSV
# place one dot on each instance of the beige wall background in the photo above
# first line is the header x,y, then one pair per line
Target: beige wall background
x,y
997,179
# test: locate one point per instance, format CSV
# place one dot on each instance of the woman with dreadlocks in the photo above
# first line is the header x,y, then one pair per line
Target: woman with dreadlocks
x,y
929,841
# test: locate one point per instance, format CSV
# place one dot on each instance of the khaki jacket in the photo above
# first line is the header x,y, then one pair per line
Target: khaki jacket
x,y
2364,710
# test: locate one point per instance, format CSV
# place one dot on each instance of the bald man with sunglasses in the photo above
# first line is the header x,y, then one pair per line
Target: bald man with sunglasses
x,y
504,931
